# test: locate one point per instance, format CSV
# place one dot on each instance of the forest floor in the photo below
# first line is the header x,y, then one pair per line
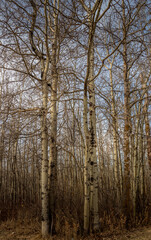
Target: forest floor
x,y
13,230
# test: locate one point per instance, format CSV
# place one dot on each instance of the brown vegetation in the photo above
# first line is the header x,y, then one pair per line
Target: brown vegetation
x,y
25,224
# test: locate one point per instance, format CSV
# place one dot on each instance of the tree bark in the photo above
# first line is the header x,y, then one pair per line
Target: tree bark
x,y
126,123
44,170
53,124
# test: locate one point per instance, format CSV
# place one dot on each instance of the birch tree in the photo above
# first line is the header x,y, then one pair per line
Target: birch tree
x,y
44,131
91,215
53,112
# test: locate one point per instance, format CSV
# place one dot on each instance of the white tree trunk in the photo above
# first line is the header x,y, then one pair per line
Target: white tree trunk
x,y
92,148
44,171
53,123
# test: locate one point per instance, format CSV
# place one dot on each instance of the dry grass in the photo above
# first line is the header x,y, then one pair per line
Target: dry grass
x,y
13,230
25,224
30,229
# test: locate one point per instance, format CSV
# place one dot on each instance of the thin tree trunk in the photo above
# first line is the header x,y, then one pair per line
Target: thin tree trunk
x,y
53,125
92,148
44,173
147,127
44,131
126,124
86,166
116,162
1,162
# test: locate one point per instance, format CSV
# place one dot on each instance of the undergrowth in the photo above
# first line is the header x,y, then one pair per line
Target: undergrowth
x,y
26,221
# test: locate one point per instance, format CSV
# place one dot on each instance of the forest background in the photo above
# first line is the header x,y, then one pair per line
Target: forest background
x,y
75,141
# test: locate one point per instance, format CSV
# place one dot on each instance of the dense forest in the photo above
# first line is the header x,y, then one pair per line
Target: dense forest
x,y
75,93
